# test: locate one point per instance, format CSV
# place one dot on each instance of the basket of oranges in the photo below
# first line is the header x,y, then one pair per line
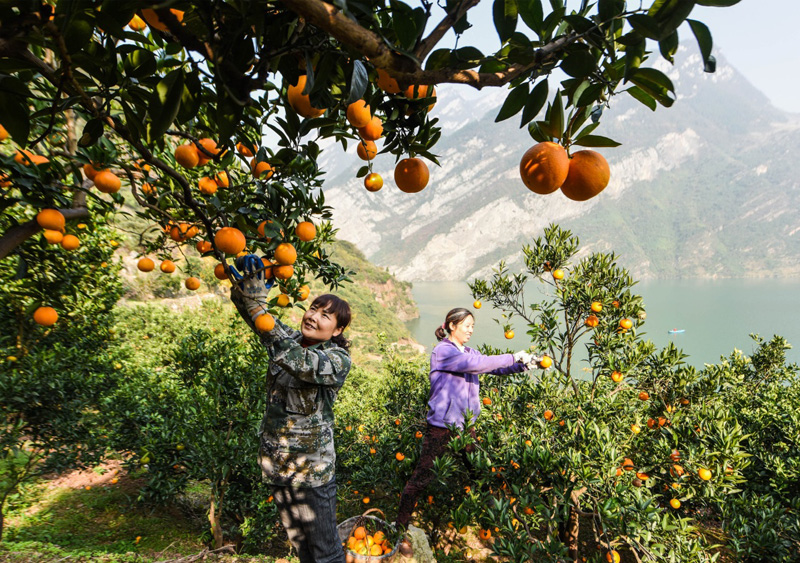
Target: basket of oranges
x,y
368,538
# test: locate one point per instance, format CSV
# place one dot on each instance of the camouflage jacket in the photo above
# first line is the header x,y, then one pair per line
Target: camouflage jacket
x,y
302,385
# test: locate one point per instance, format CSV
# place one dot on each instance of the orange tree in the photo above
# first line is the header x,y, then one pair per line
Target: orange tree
x,y
635,446
53,378
161,93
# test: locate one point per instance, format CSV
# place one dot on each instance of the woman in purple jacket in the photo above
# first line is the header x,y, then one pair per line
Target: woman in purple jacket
x,y
454,391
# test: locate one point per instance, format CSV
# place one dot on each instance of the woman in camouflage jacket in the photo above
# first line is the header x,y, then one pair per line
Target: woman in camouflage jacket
x,y
307,369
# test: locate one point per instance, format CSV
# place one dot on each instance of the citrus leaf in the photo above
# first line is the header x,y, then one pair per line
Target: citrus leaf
x,y
535,102
705,42
595,141
358,82
514,102
505,18
532,14
669,46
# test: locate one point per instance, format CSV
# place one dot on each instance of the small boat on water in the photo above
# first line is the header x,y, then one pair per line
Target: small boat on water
x,y
676,330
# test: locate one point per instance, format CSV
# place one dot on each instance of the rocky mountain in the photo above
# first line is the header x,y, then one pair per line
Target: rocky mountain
x,y
707,188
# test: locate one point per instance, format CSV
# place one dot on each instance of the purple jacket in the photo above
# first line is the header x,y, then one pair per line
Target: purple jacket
x,y
454,381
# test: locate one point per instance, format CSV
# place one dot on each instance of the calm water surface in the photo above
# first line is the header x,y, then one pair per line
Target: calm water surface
x,y
717,315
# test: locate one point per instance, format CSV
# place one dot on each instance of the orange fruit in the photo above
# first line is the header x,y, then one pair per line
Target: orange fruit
x,y
300,102
704,474
149,189
187,156
675,503
675,455
246,150
285,254
261,170
387,83
283,300
509,334
627,464
375,549
597,306
192,283
305,231
548,415
373,130
477,304
399,457
145,264
588,175
358,113
592,321
411,175
230,240
625,323
137,23
616,376
264,323
360,533
415,92
207,185
676,470
544,167
182,232
373,182
365,500
219,272
151,17
203,246
418,434
51,219
305,291
635,428
612,556
558,274
487,401
167,266
70,242
642,476
210,146
485,534
107,182
45,316
53,237
283,272
644,395
27,158
545,362
221,178
366,150
3,133
90,171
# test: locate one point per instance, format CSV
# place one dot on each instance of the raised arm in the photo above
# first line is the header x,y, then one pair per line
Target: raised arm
x,y
268,339
451,360
312,365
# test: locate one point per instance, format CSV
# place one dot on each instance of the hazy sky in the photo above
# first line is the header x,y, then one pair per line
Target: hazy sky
x,y
757,37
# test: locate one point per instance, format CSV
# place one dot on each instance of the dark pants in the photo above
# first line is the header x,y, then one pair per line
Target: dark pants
x,y
434,445
309,516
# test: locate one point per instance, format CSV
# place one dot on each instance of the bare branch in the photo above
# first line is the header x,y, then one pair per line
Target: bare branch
x,y
427,44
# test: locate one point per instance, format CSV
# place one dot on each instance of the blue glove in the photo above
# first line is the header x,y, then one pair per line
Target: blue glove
x,y
252,284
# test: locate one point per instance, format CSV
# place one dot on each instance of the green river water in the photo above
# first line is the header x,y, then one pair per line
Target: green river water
x,y
717,315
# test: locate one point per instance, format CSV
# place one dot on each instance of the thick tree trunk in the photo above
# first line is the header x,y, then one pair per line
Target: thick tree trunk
x,y
216,525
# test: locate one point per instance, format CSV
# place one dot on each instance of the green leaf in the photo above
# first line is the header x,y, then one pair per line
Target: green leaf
x,y
642,96
363,171
579,23
595,141
505,18
140,63
555,116
634,55
359,81
191,98
514,102
669,46
466,57
164,104
535,102
15,114
655,83
590,95
440,58
718,3
705,42
92,131
532,14
404,22
645,26
579,63
670,14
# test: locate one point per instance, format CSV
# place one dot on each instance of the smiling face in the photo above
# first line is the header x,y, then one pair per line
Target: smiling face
x,y
461,333
320,323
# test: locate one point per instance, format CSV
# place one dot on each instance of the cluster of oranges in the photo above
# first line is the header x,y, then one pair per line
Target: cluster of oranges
x,y
361,542
546,167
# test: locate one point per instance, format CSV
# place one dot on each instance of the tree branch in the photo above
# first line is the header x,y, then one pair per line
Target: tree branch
x,y
426,45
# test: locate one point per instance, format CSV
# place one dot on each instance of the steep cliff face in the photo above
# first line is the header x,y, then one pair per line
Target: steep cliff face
x,y
705,188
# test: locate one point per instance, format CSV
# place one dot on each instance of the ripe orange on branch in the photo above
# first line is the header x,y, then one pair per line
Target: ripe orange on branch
x,y
285,254
27,158
262,170
167,266
51,219
207,186
359,113
107,182
411,175
544,167
301,103
588,175
146,265
305,231
230,240
152,19
265,322
373,182
366,150
70,242
192,283
45,316
53,237
210,146
387,83
187,156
